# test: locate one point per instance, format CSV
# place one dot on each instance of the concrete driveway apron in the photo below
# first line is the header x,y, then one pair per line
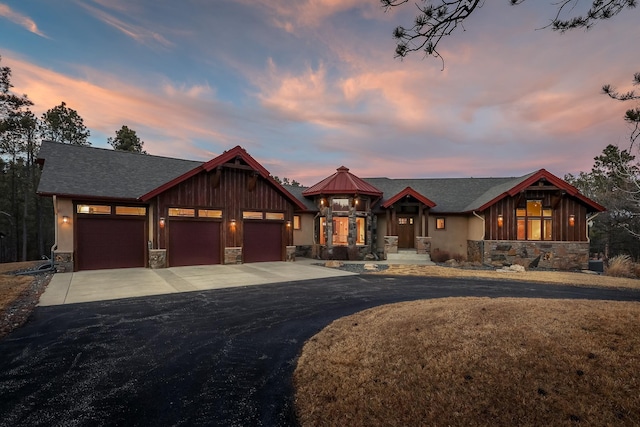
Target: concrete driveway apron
x,y
100,285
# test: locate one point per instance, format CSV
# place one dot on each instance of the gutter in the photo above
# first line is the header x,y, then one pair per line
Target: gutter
x,y
484,230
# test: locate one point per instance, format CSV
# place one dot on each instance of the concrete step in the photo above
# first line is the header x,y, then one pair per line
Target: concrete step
x,y
409,257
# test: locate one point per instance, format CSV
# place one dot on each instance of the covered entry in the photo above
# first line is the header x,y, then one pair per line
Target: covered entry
x,y
262,241
193,242
110,242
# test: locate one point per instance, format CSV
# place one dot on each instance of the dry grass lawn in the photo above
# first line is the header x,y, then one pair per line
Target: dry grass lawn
x,y
556,277
475,361
11,287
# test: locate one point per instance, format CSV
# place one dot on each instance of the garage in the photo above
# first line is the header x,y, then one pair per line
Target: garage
x,y
262,241
110,242
193,242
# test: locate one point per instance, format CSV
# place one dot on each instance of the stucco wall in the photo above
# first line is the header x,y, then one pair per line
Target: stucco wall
x,y
453,238
64,207
304,236
476,228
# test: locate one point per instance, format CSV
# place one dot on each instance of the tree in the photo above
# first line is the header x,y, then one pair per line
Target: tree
x,y
127,140
286,181
632,116
63,124
439,18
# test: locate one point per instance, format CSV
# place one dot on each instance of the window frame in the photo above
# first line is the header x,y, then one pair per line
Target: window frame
x,y
531,227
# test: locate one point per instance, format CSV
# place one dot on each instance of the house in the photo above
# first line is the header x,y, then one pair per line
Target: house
x,y
117,209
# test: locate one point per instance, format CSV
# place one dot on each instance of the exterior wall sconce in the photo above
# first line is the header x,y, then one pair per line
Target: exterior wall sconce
x,y
65,219
500,220
161,222
288,224
321,202
572,220
232,223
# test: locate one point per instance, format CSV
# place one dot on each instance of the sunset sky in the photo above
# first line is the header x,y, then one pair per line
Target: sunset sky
x,y
306,86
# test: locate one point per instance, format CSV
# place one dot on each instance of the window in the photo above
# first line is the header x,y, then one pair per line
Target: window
x,y
340,236
183,212
94,209
251,215
405,221
440,223
296,222
340,205
534,222
275,216
131,210
209,213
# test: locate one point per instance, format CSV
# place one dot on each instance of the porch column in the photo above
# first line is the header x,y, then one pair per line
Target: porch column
x,y
388,212
420,217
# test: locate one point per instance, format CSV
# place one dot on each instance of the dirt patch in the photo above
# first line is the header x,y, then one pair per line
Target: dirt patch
x,y
555,277
475,361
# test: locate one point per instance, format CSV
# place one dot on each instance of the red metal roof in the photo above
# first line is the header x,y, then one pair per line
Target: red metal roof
x,y
342,182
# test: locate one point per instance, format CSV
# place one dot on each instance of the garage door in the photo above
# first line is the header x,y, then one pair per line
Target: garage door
x,y
194,243
262,242
110,243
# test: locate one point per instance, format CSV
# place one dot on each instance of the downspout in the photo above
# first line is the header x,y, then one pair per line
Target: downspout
x,y
589,219
483,224
55,229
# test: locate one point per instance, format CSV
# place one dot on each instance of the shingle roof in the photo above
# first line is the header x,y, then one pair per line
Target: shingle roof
x,y
73,170
451,195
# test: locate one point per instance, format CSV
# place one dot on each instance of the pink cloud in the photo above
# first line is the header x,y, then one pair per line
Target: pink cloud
x,y
20,19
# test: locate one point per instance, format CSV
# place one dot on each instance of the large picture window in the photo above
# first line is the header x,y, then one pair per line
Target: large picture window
x,y
535,222
340,235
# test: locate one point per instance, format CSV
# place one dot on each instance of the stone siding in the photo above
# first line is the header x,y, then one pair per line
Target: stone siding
x,y
552,255
63,261
475,250
233,255
157,258
390,245
423,245
291,254
306,251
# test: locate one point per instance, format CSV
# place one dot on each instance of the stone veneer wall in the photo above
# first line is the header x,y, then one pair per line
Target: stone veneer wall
x,y
552,255
63,261
390,245
157,258
423,245
291,254
306,251
233,255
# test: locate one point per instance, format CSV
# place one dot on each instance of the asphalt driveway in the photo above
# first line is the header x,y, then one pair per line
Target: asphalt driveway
x,y
216,357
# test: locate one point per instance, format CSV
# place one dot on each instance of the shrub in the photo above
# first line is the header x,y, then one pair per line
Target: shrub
x,y
438,255
620,266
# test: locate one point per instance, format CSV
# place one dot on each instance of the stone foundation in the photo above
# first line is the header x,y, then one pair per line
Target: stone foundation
x,y
475,250
530,254
63,261
390,245
305,251
344,253
233,255
291,254
157,258
423,245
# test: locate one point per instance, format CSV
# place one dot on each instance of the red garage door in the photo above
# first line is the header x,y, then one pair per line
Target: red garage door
x,y
262,241
110,243
194,243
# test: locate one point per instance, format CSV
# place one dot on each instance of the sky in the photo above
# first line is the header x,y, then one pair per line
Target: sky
x,y
306,86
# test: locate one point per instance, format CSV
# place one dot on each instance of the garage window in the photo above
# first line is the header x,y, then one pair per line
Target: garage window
x,y
182,212
209,213
252,215
275,216
131,210
94,209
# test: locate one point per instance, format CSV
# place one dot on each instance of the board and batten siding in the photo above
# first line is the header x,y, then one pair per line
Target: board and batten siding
x,y
234,191
563,207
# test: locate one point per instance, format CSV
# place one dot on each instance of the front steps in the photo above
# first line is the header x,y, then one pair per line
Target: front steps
x,y
409,256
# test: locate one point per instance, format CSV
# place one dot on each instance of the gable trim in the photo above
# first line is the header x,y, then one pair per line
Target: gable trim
x,y
408,191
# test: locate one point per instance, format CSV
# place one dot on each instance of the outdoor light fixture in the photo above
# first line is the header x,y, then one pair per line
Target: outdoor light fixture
x,y
288,224
232,223
161,222
500,220
572,220
65,219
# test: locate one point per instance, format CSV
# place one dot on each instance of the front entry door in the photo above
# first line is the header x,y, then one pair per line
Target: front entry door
x,y
406,233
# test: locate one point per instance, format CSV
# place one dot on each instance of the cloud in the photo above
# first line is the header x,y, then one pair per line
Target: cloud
x,y
20,19
138,33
